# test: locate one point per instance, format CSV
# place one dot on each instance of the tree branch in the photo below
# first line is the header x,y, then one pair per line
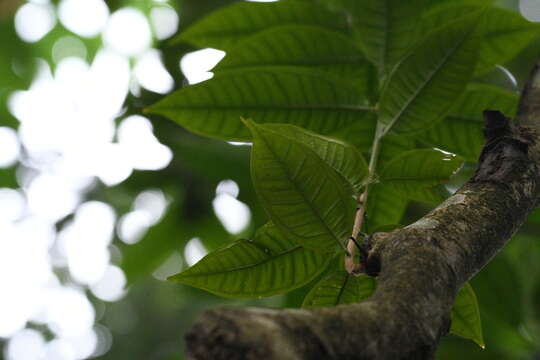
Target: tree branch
x,y
421,267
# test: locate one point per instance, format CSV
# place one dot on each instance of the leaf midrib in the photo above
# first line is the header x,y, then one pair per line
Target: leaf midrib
x,y
310,205
323,107
342,60
342,289
428,80
244,267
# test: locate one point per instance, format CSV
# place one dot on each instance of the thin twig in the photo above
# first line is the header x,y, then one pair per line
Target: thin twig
x,y
350,265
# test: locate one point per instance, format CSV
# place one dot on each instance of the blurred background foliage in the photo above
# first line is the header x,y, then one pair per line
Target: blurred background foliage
x,y
165,214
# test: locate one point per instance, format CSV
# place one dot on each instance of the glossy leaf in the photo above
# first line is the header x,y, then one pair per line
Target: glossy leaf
x,y
423,87
270,264
306,98
466,320
223,28
305,46
415,174
340,288
343,157
303,196
461,131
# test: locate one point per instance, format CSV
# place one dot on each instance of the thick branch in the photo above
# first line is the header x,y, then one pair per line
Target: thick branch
x,y
421,267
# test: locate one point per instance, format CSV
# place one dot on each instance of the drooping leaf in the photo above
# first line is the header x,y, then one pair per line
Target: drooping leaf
x,y
466,320
303,196
305,46
223,29
340,288
270,264
343,157
307,98
422,88
385,206
385,28
461,131
416,174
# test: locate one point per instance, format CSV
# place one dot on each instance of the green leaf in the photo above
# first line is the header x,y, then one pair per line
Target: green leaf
x,y
393,145
343,157
422,88
306,98
270,264
140,259
505,32
385,206
304,46
466,316
385,28
461,131
303,196
340,288
223,29
359,133
415,174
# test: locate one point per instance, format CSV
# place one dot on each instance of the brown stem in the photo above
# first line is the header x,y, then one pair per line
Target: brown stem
x,y
350,265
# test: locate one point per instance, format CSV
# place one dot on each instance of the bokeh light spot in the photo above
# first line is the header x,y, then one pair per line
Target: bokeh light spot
x,y
196,65
27,344
83,17
68,46
164,21
128,32
111,287
233,214
34,21
194,251
151,73
9,147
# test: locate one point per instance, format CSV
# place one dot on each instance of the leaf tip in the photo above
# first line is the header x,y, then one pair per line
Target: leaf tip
x,y
175,277
250,124
247,122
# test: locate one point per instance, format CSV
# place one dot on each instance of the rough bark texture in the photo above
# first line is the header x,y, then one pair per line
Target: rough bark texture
x,y
420,267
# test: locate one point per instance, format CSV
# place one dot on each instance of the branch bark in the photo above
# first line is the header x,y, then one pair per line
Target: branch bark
x,y
421,267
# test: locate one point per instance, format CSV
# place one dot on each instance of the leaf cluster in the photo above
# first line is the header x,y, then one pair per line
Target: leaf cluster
x,y
318,88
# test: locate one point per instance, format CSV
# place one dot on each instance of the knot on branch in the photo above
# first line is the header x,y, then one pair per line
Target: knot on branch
x,y
505,155
372,262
